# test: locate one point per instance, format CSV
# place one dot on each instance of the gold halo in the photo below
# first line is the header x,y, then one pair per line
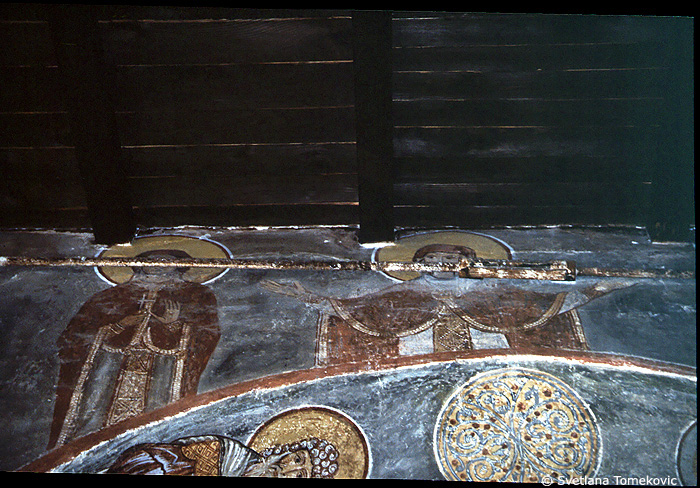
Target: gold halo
x,y
485,247
323,423
195,247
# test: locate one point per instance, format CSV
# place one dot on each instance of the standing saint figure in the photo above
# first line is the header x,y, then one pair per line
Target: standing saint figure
x,y
133,348
427,315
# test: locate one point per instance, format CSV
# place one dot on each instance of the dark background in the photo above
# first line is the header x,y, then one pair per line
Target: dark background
x,y
114,118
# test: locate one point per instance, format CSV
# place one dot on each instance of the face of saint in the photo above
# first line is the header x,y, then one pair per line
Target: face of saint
x,y
295,465
442,258
159,273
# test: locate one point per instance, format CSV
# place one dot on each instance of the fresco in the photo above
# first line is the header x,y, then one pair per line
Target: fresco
x,y
424,314
335,443
518,426
502,418
138,345
687,455
310,442
316,374
432,246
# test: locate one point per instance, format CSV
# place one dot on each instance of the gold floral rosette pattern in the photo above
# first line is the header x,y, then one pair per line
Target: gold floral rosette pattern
x,y
516,425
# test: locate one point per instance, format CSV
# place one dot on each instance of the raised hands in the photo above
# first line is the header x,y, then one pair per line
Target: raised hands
x,y
171,314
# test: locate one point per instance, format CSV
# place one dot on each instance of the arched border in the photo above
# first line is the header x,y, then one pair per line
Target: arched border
x,y
684,434
66,453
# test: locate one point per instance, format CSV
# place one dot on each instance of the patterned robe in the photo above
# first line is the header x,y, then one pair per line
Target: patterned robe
x,y
117,360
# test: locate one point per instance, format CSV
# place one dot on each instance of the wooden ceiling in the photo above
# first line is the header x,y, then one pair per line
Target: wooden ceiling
x,y
114,118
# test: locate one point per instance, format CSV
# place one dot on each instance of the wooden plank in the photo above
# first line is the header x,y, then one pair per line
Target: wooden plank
x,y
372,39
543,193
35,129
238,41
547,56
26,44
277,126
30,89
186,161
37,182
174,13
40,192
515,215
640,112
514,169
474,142
49,163
56,219
231,87
463,29
242,159
528,84
254,215
194,128
237,126
22,12
213,191
37,12
97,148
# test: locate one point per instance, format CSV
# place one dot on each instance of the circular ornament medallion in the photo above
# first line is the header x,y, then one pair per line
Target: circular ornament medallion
x,y
516,425
687,455
321,423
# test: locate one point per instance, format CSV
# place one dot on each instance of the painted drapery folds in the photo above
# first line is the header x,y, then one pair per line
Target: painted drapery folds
x,y
415,319
137,346
449,377
424,314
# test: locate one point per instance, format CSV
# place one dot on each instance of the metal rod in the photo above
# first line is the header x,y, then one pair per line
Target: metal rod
x,y
346,265
472,268
635,273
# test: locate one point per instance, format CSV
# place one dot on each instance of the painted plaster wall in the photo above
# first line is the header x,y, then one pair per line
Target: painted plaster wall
x,y
264,334
398,411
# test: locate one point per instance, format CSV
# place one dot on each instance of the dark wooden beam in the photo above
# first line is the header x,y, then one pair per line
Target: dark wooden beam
x,y
85,84
372,44
673,200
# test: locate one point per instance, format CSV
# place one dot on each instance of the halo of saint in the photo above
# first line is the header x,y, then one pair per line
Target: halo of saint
x,y
327,427
186,246
407,247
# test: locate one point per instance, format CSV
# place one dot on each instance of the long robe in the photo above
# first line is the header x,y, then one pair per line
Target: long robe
x,y
117,360
373,326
